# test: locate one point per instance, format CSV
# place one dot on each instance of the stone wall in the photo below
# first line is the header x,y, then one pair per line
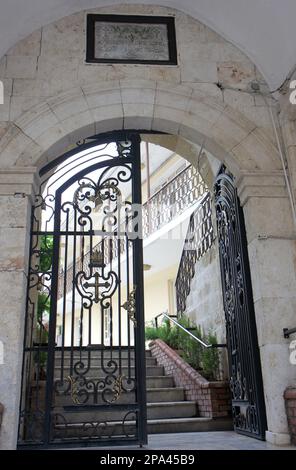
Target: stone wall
x,y
204,303
53,97
212,398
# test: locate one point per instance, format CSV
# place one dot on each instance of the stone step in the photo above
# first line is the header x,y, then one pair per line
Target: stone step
x,y
158,410
96,361
154,381
178,409
197,424
107,353
154,395
154,426
96,371
163,381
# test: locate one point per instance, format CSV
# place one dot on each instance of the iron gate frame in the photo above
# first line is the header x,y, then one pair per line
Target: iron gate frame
x,y
246,383
137,269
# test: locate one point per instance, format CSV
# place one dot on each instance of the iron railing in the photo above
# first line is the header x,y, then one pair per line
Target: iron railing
x,y
172,200
188,332
169,202
199,239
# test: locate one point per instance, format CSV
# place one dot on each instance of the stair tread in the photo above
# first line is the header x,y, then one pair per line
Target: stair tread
x,y
195,419
170,403
164,389
180,420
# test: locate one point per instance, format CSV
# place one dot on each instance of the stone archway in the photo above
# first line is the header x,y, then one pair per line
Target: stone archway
x,y
49,128
44,122
28,155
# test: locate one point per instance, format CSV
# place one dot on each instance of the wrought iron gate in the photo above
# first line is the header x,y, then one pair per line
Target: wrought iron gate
x,y
248,405
84,353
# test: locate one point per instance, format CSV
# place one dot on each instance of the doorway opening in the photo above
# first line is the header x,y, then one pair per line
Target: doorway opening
x,y
113,218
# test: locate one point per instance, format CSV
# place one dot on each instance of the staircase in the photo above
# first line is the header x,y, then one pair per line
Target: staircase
x,y
167,409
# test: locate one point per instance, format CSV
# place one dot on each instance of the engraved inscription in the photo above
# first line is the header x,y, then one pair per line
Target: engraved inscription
x,y
131,41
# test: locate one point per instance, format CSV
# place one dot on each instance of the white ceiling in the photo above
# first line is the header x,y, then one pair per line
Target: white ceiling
x,y
263,29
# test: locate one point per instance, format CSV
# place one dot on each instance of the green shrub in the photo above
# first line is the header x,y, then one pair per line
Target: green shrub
x,y
162,332
46,252
191,350
151,333
210,358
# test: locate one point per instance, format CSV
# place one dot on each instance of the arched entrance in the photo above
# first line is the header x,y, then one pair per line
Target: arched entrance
x,y
81,386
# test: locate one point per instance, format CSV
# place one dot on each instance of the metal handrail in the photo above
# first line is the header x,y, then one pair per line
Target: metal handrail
x,y
288,332
205,345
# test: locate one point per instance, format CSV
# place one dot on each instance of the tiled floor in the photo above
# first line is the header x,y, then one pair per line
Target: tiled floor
x,y
222,440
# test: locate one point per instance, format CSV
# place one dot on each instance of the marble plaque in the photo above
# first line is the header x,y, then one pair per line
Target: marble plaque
x,y
121,39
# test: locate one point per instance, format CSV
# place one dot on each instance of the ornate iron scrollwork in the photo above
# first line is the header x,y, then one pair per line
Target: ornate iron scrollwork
x,y
81,353
83,390
117,389
74,390
96,284
124,148
130,306
243,352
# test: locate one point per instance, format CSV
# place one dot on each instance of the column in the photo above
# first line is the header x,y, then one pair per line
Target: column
x,y
16,190
272,253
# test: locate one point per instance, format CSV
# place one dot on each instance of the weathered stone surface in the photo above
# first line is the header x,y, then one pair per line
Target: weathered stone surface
x,y
59,51
13,287
235,73
204,303
275,357
53,98
21,66
13,254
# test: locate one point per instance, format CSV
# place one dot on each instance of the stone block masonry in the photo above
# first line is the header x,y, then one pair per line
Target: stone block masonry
x,y
290,399
213,398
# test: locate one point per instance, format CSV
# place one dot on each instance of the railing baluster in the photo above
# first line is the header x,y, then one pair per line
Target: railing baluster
x,y
199,239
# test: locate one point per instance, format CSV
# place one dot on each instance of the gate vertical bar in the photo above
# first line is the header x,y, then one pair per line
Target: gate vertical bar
x,y
52,321
138,275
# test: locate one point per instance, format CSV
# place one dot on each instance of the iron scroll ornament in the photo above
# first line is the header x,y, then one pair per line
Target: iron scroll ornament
x,y
85,391
130,306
